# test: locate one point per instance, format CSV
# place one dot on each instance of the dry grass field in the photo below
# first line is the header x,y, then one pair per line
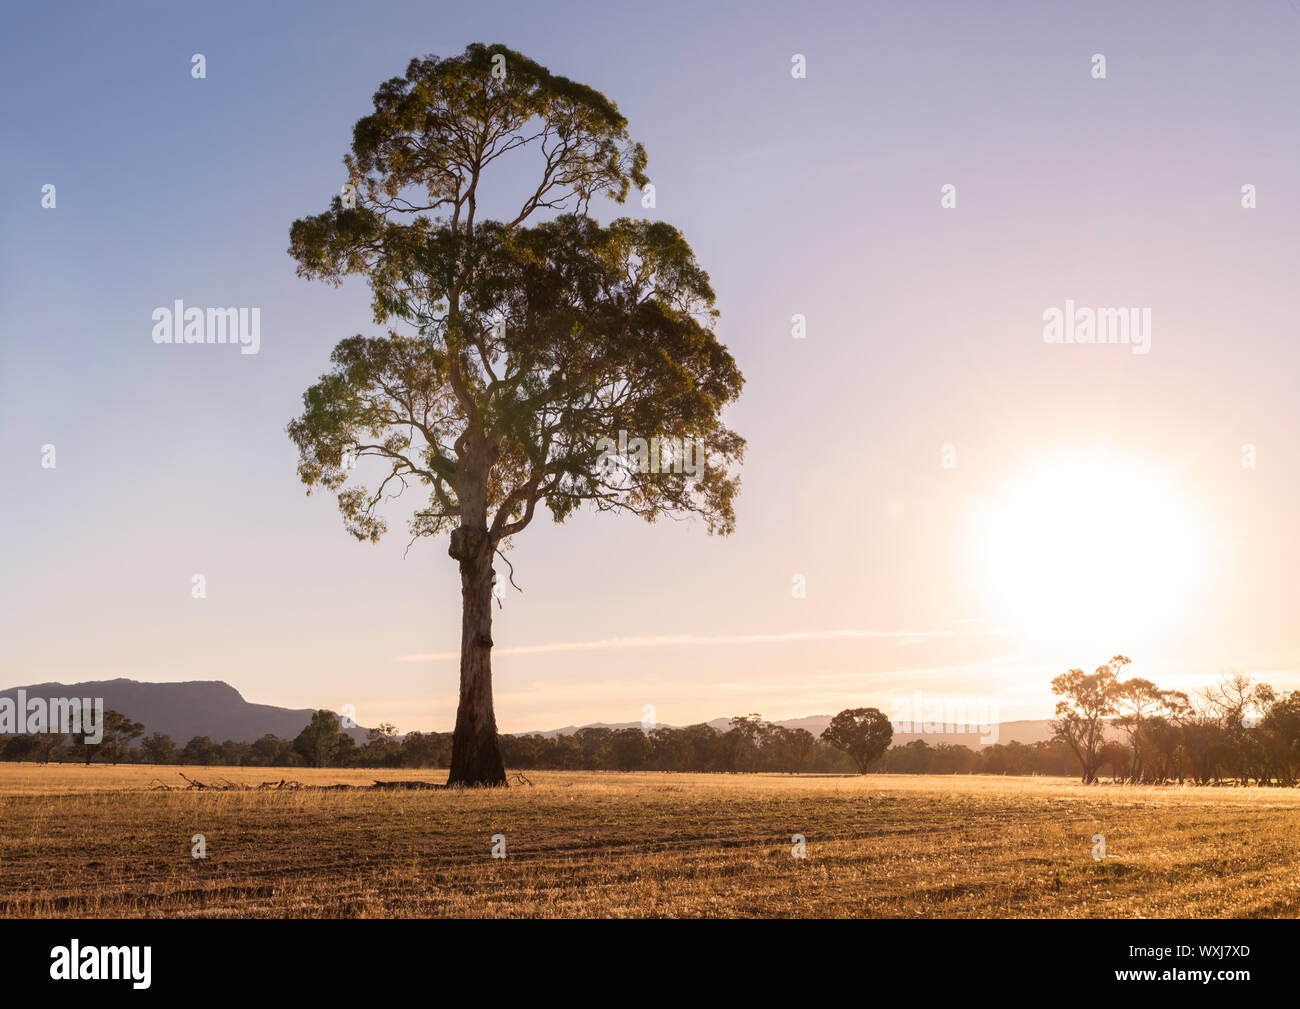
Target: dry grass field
x,y
98,841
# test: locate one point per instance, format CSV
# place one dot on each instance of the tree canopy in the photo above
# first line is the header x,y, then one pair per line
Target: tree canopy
x,y
863,733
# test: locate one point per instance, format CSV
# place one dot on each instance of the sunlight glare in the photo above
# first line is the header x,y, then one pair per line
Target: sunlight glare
x,y
1094,549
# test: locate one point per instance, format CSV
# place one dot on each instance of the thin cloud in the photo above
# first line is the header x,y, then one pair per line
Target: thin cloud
x,y
677,640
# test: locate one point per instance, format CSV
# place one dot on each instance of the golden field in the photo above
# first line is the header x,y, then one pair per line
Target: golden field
x,y
99,841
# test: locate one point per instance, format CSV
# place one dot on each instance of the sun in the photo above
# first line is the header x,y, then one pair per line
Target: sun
x,y
1098,550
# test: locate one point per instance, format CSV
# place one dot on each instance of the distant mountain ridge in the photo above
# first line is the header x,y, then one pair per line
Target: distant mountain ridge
x,y
211,708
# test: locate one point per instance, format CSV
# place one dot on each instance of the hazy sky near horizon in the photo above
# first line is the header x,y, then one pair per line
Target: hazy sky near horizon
x,y
934,469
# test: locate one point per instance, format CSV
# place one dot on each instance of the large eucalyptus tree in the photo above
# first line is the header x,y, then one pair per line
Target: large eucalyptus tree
x,y
517,347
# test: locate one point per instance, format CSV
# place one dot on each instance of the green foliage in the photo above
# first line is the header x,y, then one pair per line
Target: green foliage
x,y
863,733
271,751
522,345
579,332
200,750
318,743
762,747
158,748
118,733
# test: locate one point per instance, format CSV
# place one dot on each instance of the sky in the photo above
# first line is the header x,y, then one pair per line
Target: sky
x,y
972,509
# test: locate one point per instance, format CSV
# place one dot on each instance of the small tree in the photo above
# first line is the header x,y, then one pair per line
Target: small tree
x,y
272,751
745,741
235,753
318,743
630,749
1115,755
199,750
346,752
1281,729
158,748
45,747
1239,705
118,732
863,733
1088,700
793,746
382,748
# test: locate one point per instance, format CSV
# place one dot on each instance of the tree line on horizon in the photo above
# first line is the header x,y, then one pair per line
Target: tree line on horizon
x,y
853,741
748,745
1235,731
1128,731
761,747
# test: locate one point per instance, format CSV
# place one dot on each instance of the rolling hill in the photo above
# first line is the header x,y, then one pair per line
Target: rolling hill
x,y
211,708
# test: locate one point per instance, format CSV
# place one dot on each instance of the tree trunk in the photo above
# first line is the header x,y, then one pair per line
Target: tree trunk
x,y
475,750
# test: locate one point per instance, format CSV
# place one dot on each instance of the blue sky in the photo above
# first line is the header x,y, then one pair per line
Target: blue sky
x,y
817,196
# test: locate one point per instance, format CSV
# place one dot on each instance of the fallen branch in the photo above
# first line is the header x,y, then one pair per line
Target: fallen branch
x,y
226,785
